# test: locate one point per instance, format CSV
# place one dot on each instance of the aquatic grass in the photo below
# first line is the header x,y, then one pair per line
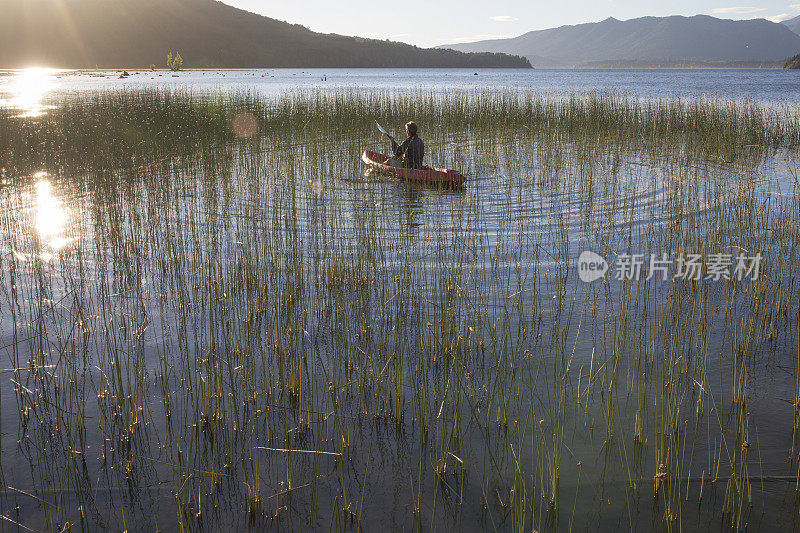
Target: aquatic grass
x,y
261,333
109,127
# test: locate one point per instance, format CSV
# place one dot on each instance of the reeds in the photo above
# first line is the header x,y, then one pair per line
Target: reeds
x,y
247,328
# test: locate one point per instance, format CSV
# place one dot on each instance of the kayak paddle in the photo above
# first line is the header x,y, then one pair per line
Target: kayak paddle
x,y
382,130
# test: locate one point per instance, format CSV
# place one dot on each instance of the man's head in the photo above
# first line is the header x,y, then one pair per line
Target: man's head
x,y
411,128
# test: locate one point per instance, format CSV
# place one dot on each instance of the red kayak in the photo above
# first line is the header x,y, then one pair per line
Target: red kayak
x,y
377,162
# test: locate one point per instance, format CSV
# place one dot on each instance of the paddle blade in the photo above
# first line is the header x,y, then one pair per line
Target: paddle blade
x,y
381,129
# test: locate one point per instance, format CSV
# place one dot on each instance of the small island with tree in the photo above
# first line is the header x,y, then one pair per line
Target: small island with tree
x,y
174,63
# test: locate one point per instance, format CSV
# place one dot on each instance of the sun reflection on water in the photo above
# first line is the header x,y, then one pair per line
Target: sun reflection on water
x,y
51,217
26,91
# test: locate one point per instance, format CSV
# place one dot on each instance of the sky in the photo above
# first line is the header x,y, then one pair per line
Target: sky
x,y
434,22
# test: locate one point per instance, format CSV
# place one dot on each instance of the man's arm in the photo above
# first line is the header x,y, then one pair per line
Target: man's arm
x,y
399,150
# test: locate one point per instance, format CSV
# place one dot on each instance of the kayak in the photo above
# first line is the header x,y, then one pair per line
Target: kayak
x,y
443,176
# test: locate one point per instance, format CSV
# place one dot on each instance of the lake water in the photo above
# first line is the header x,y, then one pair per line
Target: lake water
x,y
198,329
773,86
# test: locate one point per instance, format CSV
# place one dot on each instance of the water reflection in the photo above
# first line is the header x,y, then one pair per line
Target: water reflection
x,y
51,217
26,91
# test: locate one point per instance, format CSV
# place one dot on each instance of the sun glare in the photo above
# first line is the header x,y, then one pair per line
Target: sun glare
x,y
27,89
51,216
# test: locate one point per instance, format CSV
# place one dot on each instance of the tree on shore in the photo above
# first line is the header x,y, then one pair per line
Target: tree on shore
x,y
174,63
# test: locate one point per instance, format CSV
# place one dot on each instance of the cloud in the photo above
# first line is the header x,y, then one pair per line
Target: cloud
x,y
786,16
474,38
741,10
504,18
782,17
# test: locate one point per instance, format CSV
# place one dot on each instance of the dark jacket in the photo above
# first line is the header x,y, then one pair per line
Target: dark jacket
x,y
412,152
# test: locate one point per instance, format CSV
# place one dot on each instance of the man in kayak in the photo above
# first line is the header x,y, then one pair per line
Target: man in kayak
x,y
411,152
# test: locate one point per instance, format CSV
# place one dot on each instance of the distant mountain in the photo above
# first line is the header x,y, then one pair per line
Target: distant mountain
x,y
137,33
700,40
793,24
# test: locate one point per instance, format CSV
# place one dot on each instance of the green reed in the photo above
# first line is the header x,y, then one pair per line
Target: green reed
x,y
248,328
